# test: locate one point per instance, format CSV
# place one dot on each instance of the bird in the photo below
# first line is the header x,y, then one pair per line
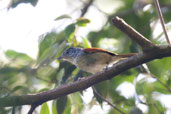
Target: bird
x,y
92,60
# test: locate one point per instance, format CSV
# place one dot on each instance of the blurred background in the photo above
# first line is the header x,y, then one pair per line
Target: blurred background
x,y
35,32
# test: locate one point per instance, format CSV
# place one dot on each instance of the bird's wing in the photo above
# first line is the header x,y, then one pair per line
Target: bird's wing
x,y
93,50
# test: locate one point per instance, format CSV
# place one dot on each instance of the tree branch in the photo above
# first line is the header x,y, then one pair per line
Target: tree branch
x,y
161,20
84,10
133,34
33,107
63,90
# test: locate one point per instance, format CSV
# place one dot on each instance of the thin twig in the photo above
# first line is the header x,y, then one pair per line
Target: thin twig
x,y
161,82
136,94
155,105
112,105
84,10
161,20
142,102
133,34
146,70
33,107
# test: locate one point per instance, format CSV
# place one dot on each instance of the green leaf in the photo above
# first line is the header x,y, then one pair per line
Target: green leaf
x,y
102,89
18,58
17,88
98,98
44,89
50,46
45,41
82,22
11,54
156,108
68,107
69,34
61,104
54,110
127,76
48,55
161,88
63,17
87,44
77,102
60,74
44,109
158,71
160,107
69,31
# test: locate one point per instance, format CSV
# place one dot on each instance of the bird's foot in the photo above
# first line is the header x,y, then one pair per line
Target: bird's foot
x,y
106,68
81,78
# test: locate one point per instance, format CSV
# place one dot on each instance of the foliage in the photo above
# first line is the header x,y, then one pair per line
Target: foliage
x,y
15,3
22,74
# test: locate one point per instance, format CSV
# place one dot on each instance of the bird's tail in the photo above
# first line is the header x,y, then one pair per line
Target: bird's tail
x,y
120,57
126,55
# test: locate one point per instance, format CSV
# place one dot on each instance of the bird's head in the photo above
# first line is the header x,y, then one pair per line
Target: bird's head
x,y
70,53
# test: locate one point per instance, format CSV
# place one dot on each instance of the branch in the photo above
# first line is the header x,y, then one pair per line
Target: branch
x,y
133,34
33,107
86,7
63,90
161,20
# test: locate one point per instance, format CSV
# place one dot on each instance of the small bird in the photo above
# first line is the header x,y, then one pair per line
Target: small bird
x,y
92,60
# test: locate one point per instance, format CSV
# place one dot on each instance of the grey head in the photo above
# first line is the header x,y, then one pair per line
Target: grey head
x,y
70,54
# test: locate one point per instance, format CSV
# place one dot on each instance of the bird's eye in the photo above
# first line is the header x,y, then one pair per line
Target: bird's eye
x,y
70,51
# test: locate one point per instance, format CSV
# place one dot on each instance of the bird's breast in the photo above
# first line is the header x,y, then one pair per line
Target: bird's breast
x,y
93,62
